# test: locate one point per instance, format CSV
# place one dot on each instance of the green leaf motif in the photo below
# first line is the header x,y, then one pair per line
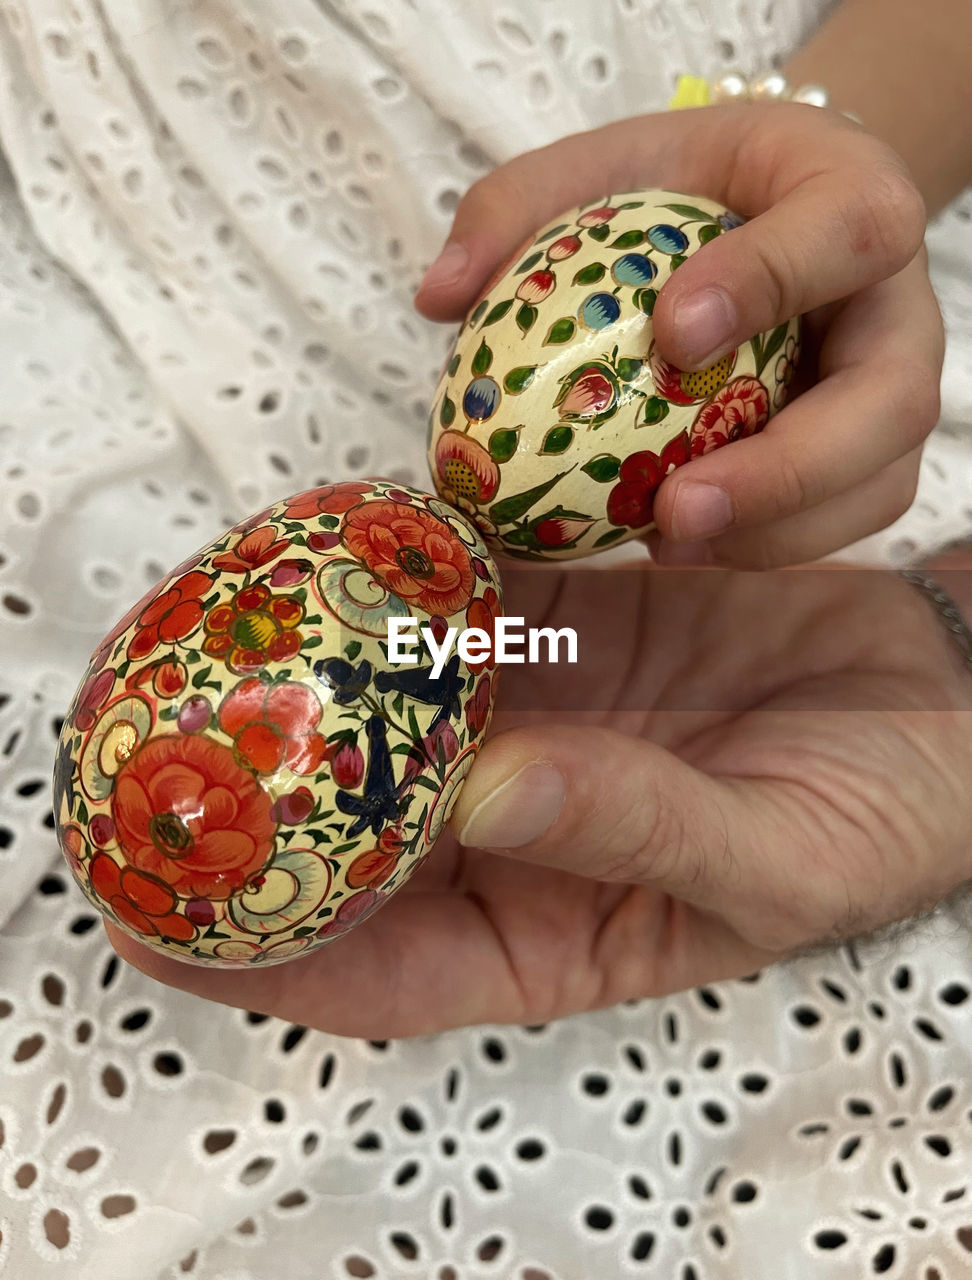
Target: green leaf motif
x,y
200,678
522,538
773,345
447,412
690,211
561,330
482,359
655,409
600,234
525,317
709,232
519,379
604,468
498,312
454,365
628,369
630,204
477,314
519,504
313,643
627,240
606,539
169,713
549,235
557,440
645,299
502,444
676,260
352,649
529,262
590,274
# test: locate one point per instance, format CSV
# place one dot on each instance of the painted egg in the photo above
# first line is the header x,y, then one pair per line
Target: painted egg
x,y
244,774
556,418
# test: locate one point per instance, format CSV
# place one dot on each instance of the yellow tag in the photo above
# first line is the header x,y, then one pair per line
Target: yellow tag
x,y
691,91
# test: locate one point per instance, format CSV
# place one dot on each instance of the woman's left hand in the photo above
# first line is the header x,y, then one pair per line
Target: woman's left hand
x,y
722,802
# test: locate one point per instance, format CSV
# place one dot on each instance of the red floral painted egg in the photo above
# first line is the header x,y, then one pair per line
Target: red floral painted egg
x,y
246,772
556,419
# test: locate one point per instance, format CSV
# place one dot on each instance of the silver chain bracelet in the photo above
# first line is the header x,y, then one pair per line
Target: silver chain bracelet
x,y
946,608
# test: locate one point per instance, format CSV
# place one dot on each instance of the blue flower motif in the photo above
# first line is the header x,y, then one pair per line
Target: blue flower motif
x,y
380,803
667,238
599,310
634,268
346,682
441,691
729,220
481,399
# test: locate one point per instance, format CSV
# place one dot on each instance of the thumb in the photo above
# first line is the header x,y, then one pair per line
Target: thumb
x,y
603,805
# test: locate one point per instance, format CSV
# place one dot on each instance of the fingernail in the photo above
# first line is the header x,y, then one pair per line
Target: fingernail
x,y
700,511
447,268
705,323
683,554
518,811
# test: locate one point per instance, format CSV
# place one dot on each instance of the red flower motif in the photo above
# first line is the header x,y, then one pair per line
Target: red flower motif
x,y
465,468
91,697
597,217
419,558
590,394
740,408
351,911
143,902
274,726
630,501
565,247
347,766
536,286
560,531
254,549
255,628
291,573
477,708
482,613
329,499
186,813
171,616
373,868
681,387
425,754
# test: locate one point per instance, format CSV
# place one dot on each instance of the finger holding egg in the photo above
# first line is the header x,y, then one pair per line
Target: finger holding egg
x,y
557,418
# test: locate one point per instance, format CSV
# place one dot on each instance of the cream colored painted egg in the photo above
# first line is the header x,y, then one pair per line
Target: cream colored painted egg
x,y
243,774
556,419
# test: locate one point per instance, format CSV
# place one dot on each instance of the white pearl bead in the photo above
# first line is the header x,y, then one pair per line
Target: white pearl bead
x,y
769,88
814,95
730,88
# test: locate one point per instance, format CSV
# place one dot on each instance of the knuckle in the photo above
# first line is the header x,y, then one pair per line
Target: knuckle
x,y
780,283
793,489
650,845
888,223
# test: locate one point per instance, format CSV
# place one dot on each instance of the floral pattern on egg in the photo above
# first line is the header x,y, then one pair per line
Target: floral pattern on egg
x,y
242,775
556,419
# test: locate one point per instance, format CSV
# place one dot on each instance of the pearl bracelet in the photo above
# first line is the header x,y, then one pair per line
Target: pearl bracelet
x,y
693,91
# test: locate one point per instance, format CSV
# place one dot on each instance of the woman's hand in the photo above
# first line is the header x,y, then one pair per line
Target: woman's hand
x,y
749,763
836,233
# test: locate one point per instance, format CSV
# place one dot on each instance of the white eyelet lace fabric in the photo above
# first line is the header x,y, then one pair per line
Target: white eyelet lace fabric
x,y
214,217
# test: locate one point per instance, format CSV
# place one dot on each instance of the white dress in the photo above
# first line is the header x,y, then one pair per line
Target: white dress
x,y
214,214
